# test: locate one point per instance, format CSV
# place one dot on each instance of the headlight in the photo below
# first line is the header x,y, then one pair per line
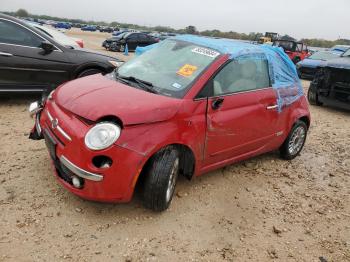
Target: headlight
x,y
116,63
102,135
50,95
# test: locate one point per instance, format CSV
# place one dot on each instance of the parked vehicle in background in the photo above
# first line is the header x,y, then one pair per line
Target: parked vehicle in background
x,y
90,28
308,67
340,48
331,84
63,25
188,106
106,29
132,40
268,38
119,32
59,36
32,61
108,42
296,51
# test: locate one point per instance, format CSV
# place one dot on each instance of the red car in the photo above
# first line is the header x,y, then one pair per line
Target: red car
x,y
296,51
188,106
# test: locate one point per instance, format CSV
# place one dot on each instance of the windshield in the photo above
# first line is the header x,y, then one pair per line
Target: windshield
x,y
324,55
171,67
347,53
286,45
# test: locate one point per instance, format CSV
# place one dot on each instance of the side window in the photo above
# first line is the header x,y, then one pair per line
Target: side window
x,y
11,33
242,75
304,47
142,37
132,37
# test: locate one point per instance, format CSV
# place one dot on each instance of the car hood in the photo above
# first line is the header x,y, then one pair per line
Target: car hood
x,y
78,51
342,63
313,63
97,96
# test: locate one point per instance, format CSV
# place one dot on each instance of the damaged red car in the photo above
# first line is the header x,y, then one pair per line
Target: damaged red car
x,y
187,106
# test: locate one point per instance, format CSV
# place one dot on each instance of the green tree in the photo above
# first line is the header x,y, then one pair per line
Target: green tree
x,y
191,30
22,13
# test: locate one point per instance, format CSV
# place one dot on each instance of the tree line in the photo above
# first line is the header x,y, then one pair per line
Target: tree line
x,y
188,30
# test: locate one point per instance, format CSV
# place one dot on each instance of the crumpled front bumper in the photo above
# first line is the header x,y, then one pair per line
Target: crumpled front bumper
x,y
71,158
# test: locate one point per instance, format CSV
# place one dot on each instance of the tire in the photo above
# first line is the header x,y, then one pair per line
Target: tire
x,y
89,72
122,48
295,141
312,96
161,178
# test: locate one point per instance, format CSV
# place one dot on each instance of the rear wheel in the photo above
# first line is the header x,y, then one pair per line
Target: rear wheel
x,y
295,141
89,72
161,178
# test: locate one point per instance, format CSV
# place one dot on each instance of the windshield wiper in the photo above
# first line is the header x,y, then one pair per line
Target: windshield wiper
x,y
141,83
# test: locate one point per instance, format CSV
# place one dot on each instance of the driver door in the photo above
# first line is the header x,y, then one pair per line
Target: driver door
x,y
242,117
24,66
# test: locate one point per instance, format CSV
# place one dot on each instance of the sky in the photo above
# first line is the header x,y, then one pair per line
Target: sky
x,y
299,18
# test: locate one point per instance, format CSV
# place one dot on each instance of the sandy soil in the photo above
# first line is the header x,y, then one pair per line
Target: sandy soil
x,y
263,209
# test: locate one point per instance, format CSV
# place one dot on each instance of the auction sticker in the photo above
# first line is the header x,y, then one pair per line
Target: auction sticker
x,y
187,70
205,51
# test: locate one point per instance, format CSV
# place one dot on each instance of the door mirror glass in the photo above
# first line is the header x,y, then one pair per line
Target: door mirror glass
x,y
47,46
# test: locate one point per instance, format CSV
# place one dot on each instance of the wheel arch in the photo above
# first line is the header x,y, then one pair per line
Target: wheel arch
x,y
84,67
187,162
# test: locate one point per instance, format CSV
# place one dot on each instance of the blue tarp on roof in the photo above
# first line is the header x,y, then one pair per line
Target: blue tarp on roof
x,y
283,74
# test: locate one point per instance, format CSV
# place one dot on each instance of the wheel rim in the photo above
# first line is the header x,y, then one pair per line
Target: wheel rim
x,y
172,180
296,141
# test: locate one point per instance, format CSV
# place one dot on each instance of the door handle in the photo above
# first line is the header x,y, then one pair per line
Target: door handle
x,y
272,107
217,103
5,54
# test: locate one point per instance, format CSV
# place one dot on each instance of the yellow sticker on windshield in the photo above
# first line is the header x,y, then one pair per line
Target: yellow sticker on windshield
x,y
187,70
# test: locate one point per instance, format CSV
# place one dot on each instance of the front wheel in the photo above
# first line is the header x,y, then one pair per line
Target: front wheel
x,y
122,48
312,96
161,178
295,141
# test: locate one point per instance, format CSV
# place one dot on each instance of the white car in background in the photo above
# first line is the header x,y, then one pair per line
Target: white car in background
x,y
59,36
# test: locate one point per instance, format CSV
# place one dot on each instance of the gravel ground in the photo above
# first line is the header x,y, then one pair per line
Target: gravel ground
x,y
263,209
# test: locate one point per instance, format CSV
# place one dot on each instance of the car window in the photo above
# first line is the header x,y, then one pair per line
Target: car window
x,y
11,33
299,47
304,47
142,37
241,75
132,37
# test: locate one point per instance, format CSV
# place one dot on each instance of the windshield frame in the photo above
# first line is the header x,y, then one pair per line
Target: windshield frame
x,y
194,81
346,53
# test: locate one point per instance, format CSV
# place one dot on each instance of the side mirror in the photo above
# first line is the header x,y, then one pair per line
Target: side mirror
x,y
47,47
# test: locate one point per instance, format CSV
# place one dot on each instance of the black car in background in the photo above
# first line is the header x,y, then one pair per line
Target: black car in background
x,y
31,61
331,84
131,39
106,29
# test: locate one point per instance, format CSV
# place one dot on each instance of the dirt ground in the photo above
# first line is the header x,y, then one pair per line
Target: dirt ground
x,y
264,209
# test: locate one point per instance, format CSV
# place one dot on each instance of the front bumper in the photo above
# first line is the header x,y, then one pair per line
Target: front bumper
x,y
71,158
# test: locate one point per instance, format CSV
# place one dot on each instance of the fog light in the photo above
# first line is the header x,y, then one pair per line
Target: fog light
x,y
77,182
102,162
